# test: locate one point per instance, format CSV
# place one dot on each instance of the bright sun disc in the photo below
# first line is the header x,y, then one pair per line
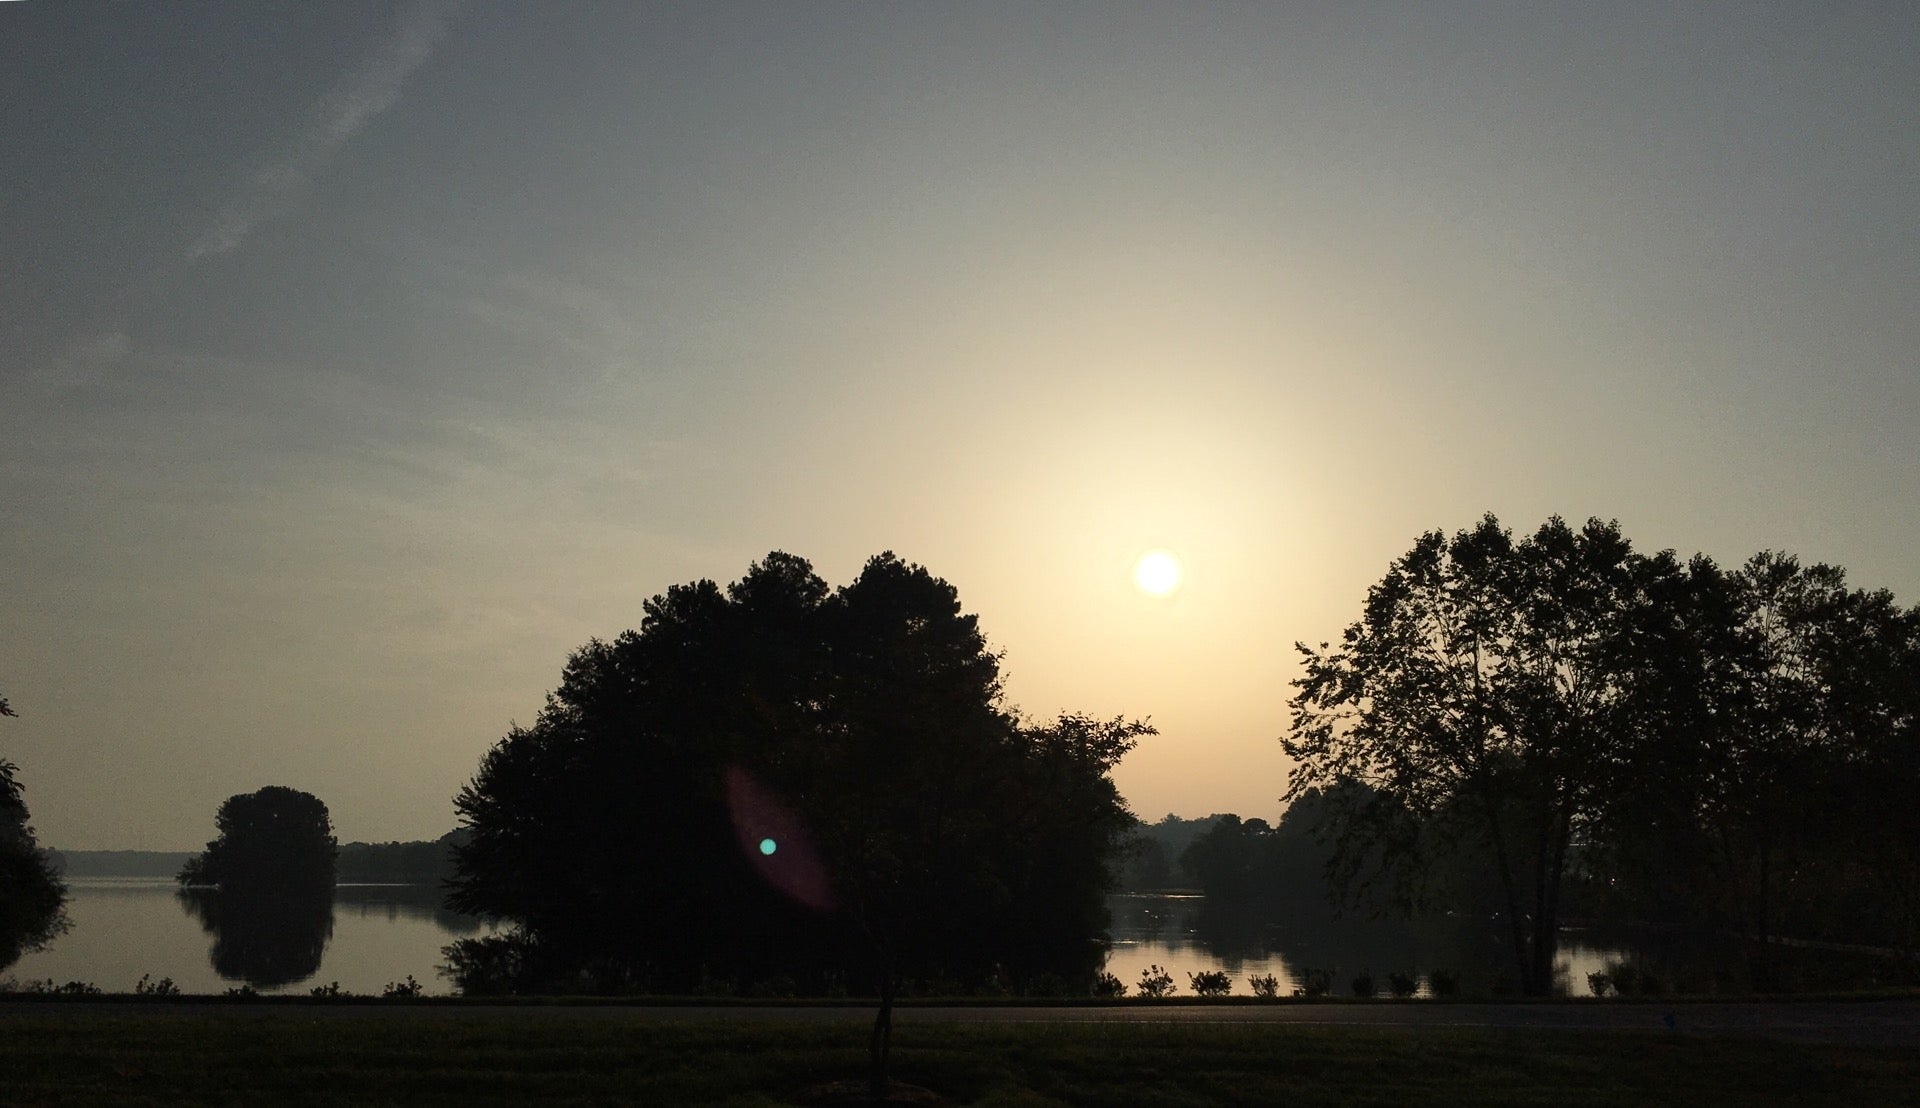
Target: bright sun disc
x,y
1157,573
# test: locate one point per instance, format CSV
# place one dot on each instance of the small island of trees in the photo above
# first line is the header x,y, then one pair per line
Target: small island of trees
x,y
264,886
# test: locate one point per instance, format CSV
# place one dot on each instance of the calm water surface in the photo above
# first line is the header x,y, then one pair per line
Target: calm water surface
x,y
1174,933
379,934
126,927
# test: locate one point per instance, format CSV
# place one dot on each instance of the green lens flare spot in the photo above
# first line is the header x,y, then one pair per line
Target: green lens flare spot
x,y
768,846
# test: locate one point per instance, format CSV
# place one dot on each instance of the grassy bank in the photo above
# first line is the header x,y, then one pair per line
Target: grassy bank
x,y
285,1057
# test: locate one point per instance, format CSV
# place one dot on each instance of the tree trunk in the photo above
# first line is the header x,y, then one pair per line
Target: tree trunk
x,y
1514,925
1763,967
1546,917
1538,979
880,1046
1546,946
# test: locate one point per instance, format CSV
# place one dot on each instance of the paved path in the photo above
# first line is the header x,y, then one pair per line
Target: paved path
x,y
1893,1023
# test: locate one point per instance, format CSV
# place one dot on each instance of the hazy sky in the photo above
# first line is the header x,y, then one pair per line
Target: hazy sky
x,y
359,361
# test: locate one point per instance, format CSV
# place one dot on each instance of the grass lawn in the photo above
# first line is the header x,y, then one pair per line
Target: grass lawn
x,y
285,1057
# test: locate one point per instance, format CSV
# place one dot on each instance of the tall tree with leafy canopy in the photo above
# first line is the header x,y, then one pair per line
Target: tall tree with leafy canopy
x,y
32,896
1814,711
1490,694
777,780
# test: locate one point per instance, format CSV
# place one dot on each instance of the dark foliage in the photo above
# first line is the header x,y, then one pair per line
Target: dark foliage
x,y
777,781
420,862
1560,721
1153,857
271,840
32,897
264,887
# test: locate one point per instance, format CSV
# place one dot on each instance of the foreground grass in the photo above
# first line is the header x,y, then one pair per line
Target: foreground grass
x,y
287,1057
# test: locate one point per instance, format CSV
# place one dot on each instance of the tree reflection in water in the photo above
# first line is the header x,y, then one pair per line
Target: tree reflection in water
x,y
266,938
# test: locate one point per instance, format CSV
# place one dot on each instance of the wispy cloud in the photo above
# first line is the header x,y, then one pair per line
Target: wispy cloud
x,y
364,92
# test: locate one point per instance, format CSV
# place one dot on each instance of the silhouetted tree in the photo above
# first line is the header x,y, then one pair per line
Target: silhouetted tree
x,y
604,832
273,839
1810,709
779,779
32,896
264,886
1488,697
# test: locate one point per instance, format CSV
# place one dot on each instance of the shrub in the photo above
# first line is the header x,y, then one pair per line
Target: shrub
x,y
241,992
1363,984
1314,983
1403,985
1108,987
1599,981
493,965
146,986
1442,983
1624,977
1266,988
1155,983
332,991
47,987
1210,983
402,990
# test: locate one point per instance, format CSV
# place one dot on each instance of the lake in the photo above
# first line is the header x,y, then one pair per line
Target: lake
x,y
374,935
125,927
1177,934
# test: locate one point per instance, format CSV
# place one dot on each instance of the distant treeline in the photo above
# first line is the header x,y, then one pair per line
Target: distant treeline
x,y
411,863
397,863
1153,857
119,863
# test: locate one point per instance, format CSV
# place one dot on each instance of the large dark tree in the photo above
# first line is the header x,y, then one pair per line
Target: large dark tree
x,y
782,782
1489,699
1805,751
1729,748
32,897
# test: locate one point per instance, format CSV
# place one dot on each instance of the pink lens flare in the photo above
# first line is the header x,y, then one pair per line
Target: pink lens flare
x,y
775,841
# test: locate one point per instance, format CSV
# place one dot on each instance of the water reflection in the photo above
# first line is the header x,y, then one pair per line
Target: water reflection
x,y
394,903
264,938
1189,934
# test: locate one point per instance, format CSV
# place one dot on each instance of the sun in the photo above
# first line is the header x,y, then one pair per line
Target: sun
x,y
1157,573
